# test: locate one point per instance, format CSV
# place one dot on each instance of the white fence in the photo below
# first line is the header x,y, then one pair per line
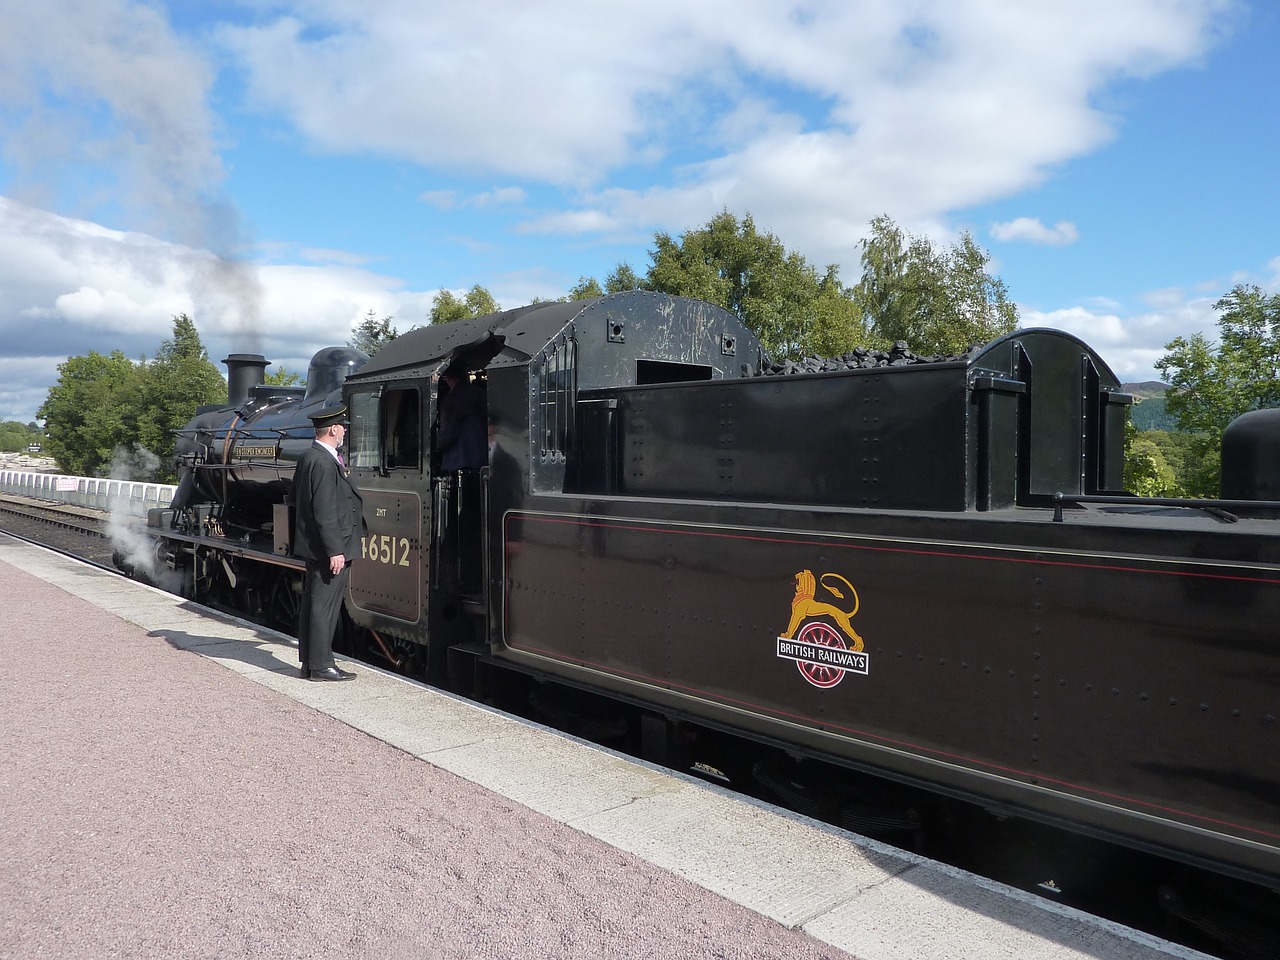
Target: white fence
x,y
87,491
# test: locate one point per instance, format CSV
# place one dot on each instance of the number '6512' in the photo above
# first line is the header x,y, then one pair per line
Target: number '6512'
x,y
385,549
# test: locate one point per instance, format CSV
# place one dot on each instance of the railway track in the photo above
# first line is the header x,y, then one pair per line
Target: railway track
x,y
1095,876
74,531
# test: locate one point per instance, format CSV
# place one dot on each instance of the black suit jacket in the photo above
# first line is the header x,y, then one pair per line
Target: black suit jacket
x,y
328,511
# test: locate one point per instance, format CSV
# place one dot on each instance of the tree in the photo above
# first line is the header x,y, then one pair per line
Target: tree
x,y
280,377
1179,452
480,302
1211,385
15,437
166,391
586,288
938,302
621,279
773,291
1146,471
82,413
838,324
101,406
448,307
373,333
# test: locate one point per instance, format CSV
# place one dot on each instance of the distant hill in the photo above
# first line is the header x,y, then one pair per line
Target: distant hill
x,y
1146,389
1148,410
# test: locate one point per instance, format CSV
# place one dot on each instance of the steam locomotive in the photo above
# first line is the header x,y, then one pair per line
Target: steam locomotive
x,y
928,571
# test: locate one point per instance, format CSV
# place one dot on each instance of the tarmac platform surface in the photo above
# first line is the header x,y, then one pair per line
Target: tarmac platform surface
x,y
171,787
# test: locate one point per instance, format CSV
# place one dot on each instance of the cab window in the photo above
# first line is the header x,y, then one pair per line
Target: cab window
x,y
362,438
402,438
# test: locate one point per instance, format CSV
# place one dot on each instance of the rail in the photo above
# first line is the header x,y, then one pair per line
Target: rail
x,y
93,492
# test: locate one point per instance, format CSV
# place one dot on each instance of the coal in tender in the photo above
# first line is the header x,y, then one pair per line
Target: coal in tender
x,y
859,358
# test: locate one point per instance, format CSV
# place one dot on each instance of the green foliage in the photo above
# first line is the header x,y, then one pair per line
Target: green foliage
x,y
587,288
838,324
749,273
370,335
166,391
281,377
1193,463
774,291
83,412
938,302
1146,471
622,279
480,302
1211,384
100,405
447,307
1202,466
15,437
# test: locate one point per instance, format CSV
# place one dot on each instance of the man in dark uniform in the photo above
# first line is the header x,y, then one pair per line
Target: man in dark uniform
x,y
328,518
460,436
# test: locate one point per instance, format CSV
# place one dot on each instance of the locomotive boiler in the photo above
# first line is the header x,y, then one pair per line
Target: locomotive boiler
x,y
241,454
928,571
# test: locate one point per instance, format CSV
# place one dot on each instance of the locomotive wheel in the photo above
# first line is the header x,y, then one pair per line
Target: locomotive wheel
x,y
286,601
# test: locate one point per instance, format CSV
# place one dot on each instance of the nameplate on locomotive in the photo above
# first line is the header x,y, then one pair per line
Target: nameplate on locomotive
x,y
245,451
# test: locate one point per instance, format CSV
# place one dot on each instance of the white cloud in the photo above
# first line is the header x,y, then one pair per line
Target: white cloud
x,y
814,117
453,200
1101,330
500,197
440,199
142,119
68,287
24,385
1132,342
1031,230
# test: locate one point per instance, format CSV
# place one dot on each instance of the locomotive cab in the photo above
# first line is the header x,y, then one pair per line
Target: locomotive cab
x,y
440,529
420,558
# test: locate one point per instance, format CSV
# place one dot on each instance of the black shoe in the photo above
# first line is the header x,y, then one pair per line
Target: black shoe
x,y
306,673
331,673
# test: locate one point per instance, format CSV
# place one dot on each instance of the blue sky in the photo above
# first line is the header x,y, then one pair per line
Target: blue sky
x,y
277,168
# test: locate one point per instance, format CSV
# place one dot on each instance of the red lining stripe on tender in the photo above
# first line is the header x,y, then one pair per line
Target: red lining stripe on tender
x,y
907,550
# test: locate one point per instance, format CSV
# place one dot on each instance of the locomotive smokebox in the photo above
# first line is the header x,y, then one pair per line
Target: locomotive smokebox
x,y
244,372
1251,457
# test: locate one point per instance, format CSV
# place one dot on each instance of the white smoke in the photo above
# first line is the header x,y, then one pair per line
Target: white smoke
x,y
127,522
106,114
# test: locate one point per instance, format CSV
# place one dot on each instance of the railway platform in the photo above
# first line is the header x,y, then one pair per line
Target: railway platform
x,y
171,787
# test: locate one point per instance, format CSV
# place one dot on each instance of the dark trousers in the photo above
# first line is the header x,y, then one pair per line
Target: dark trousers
x,y
322,593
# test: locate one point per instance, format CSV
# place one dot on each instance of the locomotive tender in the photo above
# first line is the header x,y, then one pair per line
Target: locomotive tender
x,y
927,571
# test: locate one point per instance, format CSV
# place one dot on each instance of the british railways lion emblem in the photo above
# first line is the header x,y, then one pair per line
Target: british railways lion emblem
x,y
826,646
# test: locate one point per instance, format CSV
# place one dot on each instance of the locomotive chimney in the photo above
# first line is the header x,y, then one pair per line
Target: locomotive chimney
x,y
244,372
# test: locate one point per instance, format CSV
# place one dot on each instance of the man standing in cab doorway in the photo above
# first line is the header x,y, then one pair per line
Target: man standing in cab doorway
x,y
328,519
